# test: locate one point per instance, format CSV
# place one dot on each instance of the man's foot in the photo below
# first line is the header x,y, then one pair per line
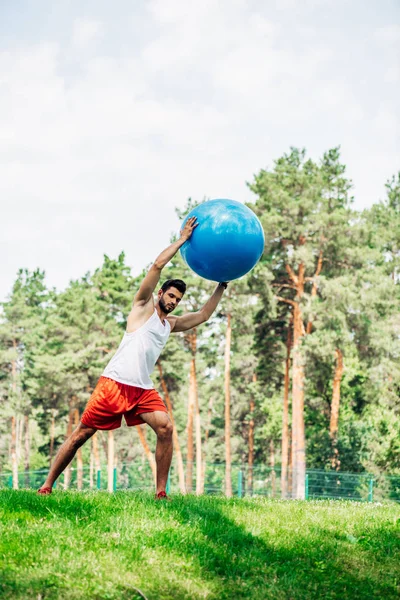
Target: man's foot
x,y
44,491
161,496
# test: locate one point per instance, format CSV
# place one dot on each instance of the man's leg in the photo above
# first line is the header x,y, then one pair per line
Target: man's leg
x,y
160,422
67,452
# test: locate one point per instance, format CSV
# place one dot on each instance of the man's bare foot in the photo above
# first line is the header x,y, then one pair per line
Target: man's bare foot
x,y
161,496
44,491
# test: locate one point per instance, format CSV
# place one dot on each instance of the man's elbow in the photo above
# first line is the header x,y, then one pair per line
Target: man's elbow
x,y
157,265
204,316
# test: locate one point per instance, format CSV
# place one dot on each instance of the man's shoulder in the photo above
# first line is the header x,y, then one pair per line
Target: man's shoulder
x,y
143,305
140,313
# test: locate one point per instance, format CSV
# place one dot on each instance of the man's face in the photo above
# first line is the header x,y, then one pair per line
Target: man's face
x,y
169,299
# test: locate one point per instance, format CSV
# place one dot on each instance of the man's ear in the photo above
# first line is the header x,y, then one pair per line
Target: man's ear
x,y
160,293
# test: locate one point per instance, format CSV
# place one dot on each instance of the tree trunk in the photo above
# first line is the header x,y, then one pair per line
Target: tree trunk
x,y
20,435
315,287
228,475
290,470
334,421
103,441
67,472
177,447
14,462
199,469
251,445
298,433
79,461
272,463
96,452
285,416
207,433
110,461
147,452
191,408
13,446
91,468
27,450
96,455
192,412
52,432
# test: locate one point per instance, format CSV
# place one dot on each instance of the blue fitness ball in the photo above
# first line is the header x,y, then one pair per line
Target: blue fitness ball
x,y
227,243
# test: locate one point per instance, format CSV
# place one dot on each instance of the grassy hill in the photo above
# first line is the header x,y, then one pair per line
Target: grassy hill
x,y
99,546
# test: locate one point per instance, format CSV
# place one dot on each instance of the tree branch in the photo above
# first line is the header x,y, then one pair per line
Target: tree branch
x,y
319,264
314,287
103,348
292,274
284,285
285,300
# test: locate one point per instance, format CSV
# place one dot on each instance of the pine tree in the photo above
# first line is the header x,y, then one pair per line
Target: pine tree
x,y
304,208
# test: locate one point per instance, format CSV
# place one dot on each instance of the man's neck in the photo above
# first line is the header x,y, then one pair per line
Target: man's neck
x,y
162,315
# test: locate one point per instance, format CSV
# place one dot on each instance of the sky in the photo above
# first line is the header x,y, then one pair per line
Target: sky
x,y
112,114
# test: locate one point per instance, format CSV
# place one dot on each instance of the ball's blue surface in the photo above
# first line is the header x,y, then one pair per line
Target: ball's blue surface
x,y
227,243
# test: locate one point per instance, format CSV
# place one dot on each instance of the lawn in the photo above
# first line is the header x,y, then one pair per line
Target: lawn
x,y
97,545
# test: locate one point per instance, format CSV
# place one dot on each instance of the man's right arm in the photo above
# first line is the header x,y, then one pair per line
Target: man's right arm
x,y
149,283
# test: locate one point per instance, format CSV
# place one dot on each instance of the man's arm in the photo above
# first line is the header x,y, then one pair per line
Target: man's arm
x,y
152,278
193,319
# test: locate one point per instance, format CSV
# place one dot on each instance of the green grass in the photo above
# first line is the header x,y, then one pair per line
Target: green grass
x,y
97,546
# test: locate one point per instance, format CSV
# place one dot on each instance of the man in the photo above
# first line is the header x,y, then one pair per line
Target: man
x,y
125,388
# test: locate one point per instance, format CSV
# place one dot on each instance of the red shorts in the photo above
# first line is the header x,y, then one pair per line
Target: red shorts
x,y
112,400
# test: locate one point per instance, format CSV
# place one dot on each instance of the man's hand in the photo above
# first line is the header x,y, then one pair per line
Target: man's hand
x,y
190,226
149,283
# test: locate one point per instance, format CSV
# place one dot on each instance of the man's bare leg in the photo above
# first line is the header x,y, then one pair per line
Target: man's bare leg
x,y
160,422
66,453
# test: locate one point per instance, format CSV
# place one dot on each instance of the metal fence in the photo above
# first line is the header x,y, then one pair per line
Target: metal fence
x,y
260,481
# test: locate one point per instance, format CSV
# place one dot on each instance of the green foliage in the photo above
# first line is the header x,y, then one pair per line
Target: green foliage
x,y
306,212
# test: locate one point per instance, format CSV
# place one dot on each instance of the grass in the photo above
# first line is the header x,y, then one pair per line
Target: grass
x,y
100,546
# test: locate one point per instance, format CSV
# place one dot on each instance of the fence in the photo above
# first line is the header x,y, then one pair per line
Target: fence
x,y
261,481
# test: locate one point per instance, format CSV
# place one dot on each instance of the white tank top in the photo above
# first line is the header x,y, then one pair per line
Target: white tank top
x,y
138,352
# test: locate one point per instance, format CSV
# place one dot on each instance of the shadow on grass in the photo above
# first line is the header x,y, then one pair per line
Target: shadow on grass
x,y
233,562
248,567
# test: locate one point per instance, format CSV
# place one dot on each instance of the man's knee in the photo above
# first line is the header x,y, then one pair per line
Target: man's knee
x,y
80,436
164,431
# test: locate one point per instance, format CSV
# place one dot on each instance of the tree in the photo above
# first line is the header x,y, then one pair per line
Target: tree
x,y
21,314
304,208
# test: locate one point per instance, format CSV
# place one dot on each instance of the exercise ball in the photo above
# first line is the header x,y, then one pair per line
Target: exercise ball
x,y
227,242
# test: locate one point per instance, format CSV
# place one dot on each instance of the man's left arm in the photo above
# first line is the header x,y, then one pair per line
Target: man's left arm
x,y
194,319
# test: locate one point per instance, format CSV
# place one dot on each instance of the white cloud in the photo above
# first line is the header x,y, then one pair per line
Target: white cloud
x,y
392,74
390,34
85,31
387,122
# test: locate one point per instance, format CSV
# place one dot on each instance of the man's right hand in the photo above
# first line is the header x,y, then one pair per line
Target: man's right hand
x,y
188,229
149,283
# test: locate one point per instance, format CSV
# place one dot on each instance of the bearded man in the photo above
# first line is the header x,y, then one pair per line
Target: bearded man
x,y
125,388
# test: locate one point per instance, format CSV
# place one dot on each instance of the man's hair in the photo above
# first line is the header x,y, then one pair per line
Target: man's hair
x,y
176,283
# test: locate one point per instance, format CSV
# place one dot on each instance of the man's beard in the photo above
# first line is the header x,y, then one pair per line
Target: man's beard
x,y
164,307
